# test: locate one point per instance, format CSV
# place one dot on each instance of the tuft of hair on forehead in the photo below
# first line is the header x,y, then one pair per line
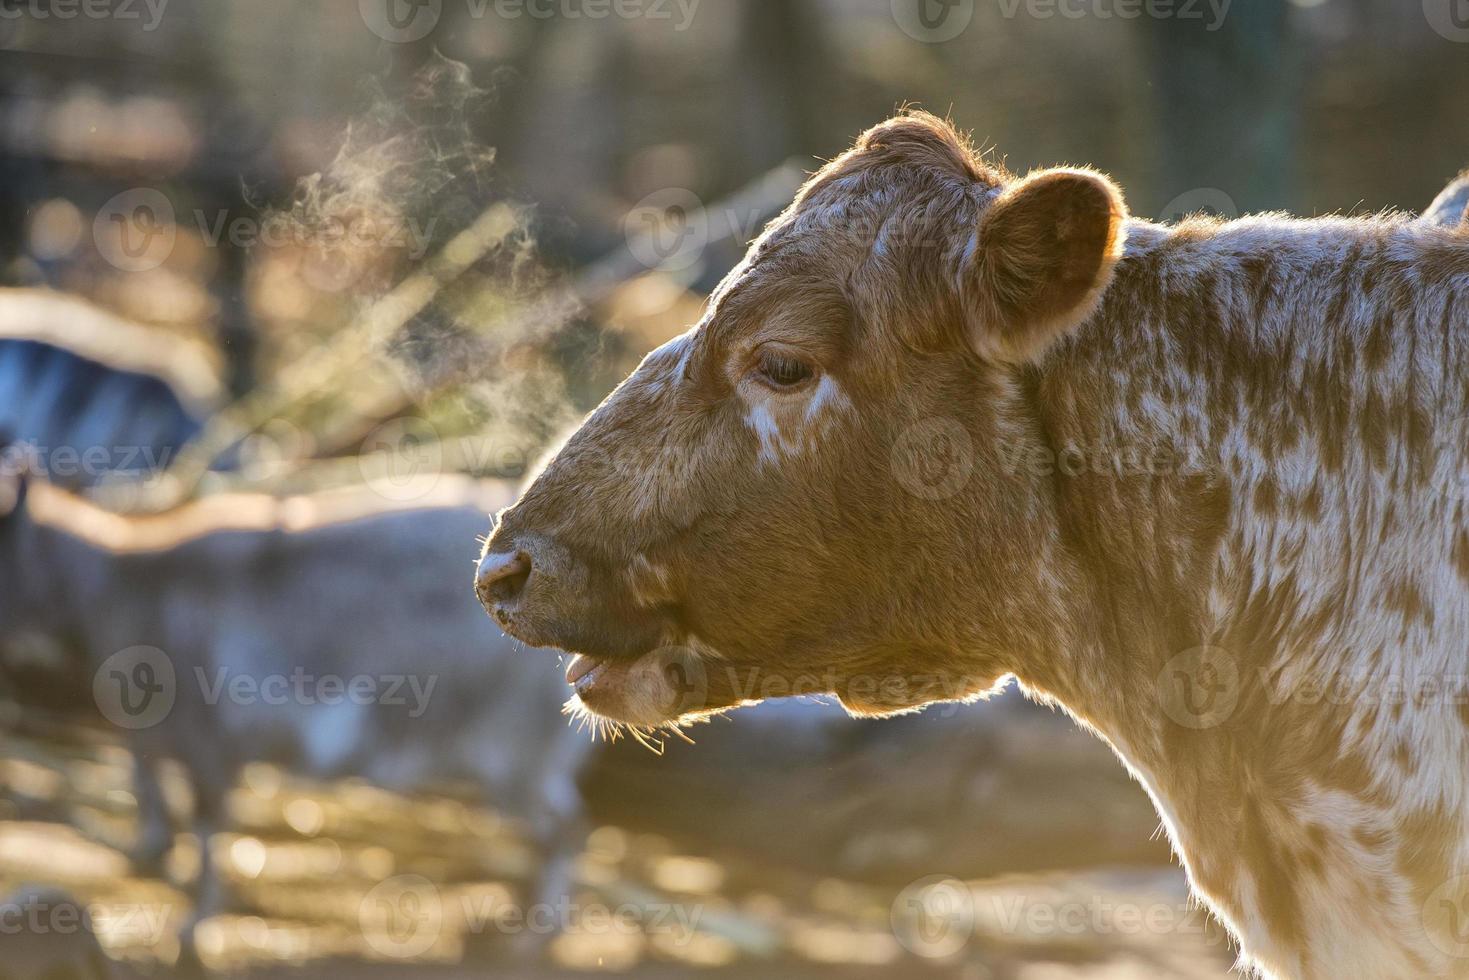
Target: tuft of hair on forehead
x,y
918,138
916,143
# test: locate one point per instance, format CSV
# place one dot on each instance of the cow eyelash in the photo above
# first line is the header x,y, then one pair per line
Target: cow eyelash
x,y
782,370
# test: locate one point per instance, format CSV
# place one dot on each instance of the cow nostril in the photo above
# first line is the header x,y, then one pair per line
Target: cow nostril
x,y
501,578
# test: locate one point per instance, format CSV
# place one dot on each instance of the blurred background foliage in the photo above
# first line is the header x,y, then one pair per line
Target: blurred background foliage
x,y
228,110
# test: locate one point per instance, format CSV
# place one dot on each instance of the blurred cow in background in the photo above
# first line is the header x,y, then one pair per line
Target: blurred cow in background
x,y
1451,207
251,628
96,396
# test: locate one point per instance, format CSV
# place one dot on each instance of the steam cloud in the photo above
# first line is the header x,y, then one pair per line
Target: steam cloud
x,y
411,186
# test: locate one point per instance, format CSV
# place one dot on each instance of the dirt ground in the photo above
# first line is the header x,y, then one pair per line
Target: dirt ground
x,y
344,880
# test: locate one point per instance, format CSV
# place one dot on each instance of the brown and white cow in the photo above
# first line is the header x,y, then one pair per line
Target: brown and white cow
x,y
1200,484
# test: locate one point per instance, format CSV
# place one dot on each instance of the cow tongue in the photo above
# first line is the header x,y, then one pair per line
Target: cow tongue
x,y
582,672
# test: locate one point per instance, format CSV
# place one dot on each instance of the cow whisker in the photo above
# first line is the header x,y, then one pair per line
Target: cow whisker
x,y
646,738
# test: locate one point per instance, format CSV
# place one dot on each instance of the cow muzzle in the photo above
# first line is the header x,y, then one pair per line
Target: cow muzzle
x,y
631,665
549,595
533,588
500,580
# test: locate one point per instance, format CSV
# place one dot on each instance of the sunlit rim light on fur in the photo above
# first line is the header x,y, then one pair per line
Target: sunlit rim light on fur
x,y
648,736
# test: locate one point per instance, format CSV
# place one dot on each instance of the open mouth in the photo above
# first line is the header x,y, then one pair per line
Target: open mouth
x,y
582,673
664,685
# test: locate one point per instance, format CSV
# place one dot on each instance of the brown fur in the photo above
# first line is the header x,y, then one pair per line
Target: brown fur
x,y
1170,478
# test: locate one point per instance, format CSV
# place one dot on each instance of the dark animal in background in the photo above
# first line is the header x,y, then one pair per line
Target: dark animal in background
x,y
95,394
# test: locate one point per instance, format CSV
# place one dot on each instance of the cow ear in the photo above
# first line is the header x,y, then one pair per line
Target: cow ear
x,y
1044,255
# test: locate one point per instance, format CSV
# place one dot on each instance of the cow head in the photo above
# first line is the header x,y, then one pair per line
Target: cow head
x,y
808,492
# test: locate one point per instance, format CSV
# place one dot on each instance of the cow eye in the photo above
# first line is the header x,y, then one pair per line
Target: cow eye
x,y
783,370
